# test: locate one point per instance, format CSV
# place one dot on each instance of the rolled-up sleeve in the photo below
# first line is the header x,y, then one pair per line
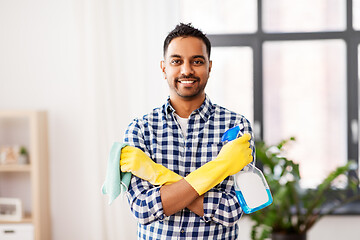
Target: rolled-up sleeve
x,y
222,206
145,201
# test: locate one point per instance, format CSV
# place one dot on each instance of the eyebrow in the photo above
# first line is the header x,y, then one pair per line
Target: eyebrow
x,y
199,56
195,56
175,56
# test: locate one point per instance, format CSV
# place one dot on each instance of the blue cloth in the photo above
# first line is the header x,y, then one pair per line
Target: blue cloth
x,y
116,182
158,134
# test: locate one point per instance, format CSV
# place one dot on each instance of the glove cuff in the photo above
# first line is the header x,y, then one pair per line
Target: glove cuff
x,y
206,177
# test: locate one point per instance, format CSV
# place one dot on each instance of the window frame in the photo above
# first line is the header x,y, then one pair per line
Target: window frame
x,y
256,41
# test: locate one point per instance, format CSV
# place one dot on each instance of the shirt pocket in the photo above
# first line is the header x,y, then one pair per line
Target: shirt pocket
x,y
207,152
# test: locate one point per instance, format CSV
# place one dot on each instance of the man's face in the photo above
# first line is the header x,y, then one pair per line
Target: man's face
x,y
186,68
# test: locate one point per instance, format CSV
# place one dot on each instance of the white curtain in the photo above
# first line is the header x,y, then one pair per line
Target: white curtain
x,y
119,53
93,65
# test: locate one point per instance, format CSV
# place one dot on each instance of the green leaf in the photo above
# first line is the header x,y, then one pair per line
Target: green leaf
x,y
294,209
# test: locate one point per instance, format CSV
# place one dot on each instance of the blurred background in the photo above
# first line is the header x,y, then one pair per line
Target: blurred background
x,y
291,67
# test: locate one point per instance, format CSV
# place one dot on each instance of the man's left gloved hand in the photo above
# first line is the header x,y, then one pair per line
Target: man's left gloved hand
x,y
233,157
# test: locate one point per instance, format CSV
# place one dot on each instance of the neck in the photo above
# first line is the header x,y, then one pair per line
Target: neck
x,y
184,107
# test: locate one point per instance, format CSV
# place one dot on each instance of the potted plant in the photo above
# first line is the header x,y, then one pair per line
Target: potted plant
x,y
295,210
23,155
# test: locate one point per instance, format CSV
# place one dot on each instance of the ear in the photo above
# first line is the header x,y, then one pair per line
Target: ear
x,y
162,66
210,66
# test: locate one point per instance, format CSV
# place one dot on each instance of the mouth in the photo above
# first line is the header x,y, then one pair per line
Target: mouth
x,y
186,81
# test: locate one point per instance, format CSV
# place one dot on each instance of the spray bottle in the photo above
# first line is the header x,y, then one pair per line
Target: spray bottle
x,y
251,187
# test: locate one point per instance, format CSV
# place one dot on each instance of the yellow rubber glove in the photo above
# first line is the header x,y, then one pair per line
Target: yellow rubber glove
x,y
134,160
233,157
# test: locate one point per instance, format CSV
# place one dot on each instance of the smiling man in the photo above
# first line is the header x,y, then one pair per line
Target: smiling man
x,y
183,188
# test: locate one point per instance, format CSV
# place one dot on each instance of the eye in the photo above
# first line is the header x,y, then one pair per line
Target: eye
x,y
175,61
198,62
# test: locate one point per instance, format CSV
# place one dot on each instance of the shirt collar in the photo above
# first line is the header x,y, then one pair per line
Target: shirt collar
x,y
204,110
168,108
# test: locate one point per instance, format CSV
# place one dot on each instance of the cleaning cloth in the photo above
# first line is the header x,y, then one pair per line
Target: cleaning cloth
x,y
116,182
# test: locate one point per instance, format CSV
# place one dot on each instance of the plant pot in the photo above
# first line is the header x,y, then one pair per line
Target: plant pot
x,y
22,159
289,236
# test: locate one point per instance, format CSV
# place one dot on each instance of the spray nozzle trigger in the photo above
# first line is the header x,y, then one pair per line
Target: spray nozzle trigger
x,y
231,134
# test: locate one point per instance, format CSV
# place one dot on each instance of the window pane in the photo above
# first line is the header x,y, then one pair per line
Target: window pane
x,y
356,14
225,16
304,15
305,97
359,111
231,79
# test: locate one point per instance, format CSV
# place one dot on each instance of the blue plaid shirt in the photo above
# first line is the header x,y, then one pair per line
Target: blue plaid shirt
x,y
159,135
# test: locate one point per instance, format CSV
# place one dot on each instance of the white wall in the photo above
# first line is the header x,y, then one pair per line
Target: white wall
x,y
43,66
54,56
40,70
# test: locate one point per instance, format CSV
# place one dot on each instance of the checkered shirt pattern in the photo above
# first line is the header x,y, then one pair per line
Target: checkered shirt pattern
x,y
158,134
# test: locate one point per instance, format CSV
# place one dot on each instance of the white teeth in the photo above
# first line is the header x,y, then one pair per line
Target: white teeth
x,y
187,81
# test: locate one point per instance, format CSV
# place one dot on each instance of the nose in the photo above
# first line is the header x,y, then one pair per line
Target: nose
x,y
187,68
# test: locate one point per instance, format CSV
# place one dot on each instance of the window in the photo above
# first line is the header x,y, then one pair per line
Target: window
x,y
305,73
305,97
356,16
232,67
225,16
355,124
304,15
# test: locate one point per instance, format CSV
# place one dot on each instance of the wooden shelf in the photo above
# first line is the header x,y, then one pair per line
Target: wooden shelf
x,y
28,182
15,168
27,219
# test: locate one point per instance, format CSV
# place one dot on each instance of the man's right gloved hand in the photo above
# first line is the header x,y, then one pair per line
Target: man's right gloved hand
x,y
134,160
233,157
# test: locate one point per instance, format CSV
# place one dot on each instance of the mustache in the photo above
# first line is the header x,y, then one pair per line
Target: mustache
x,y
187,77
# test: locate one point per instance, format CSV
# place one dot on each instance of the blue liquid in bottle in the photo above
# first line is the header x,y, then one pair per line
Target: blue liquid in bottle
x,y
252,190
246,208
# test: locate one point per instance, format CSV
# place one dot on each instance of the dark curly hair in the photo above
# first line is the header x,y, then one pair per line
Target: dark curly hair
x,y
186,30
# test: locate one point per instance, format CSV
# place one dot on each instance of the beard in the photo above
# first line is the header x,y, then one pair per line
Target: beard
x,y
190,92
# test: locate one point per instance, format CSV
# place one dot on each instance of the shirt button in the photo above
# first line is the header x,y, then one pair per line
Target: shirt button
x,y
182,231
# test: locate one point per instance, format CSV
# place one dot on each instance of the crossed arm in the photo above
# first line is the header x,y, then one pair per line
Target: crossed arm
x,y
178,193
177,196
